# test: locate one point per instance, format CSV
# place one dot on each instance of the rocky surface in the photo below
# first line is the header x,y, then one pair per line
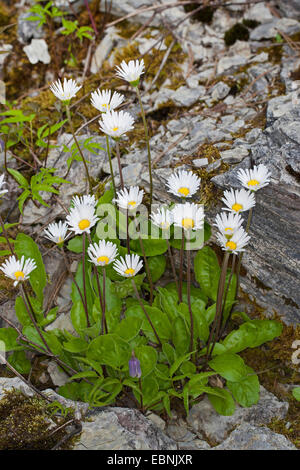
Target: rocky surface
x,y
127,429
273,257
249,437
205,420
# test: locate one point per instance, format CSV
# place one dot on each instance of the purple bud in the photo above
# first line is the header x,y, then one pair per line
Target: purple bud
x,y
134,367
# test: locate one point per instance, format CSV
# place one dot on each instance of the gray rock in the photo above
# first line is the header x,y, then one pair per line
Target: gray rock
x,y
110,40
279,106
269,30
200,162
58,159
28,29
291,9
37,51
253,135
235,155
259,12
185,96
58,376
204,419
7,310
272,256
248,437
7,383
220,91
227,63
196,444
121,429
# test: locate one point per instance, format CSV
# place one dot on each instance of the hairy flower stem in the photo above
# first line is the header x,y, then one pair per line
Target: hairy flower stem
x,y
78,147
119,163
238,269
104,301
144,310
225,297
30,311
74,280
149,277
147,142
127,232
172,265
110,165
218,318
188,255
84,280
91,17
181,268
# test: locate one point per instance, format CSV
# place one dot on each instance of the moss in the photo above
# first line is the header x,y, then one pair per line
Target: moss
x,y
25,423
273,363
250,23
209,194
205,15
237,32
275,53
126,29
5,15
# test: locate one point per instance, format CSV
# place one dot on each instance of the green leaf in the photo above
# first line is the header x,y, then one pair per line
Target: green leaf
x,y
8,339
110,350
150,390
50,337
207,271
230,366
128,328
221,400
158,318
107,197
296,393
21,312
75,244
148,359
246,391
178,363
76,345
157,266
20,362
78,316
252,334
180,336
19,178
26,247
152,247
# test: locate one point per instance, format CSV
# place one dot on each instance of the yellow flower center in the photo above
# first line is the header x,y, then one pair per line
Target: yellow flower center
x,y
115,129
60,239
103,259
104,105
132,203
129,271
231,245
83,224
184,191
19,274
237,207
164,225
188,223
253,183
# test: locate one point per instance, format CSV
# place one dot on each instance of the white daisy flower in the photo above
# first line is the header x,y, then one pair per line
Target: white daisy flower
x,y
256,178
18,270
163,218
129,199
103,253
57,232
2,183
183,183
189,216
105,101
238,200
228,223
116,123
237,242
82,218
84,200
128,266
65,91
132,71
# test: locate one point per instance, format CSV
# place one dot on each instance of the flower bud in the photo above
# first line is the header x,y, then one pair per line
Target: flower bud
x,y
134,367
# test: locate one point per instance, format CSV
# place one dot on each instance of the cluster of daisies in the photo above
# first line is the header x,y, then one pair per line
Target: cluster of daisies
x,y
232,236
113,123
